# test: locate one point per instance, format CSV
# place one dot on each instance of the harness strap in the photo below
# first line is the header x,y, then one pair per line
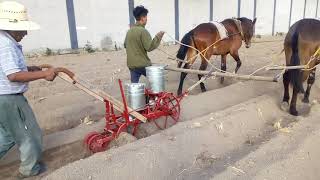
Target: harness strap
x,y
239,26
317,53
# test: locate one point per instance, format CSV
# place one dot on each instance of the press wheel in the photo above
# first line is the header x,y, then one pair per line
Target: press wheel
x,y
96,142
169,104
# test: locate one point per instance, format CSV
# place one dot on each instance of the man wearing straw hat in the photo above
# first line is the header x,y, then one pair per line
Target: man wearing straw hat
x,y
18,124
138,42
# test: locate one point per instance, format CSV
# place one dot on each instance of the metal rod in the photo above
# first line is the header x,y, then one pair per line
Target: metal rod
x,y
254,9
304,9
239,8
317,8
176,19
290,14
125,112
72,24
274,16
131,7
220,74
211,10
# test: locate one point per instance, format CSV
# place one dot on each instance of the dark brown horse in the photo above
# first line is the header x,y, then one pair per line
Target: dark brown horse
x,y
301,42
204,35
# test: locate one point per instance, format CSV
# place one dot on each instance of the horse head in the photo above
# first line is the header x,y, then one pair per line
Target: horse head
x,y
248,29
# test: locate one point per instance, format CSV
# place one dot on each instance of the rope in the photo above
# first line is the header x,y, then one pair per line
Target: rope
x,y
205,50
203,53
204,57
305,67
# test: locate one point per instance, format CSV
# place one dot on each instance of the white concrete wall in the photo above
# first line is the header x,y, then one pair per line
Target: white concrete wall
x,y
52,17
98,19
160,17
224,9
192,13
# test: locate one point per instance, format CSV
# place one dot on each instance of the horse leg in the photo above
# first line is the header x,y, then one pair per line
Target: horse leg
x,y
223,66
311,80
191,57
293,104
286,82
182,77
203,67
236,57
286,96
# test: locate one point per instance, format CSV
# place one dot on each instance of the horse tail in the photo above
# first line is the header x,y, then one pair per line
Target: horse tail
x,y
281,51
295,74
186,40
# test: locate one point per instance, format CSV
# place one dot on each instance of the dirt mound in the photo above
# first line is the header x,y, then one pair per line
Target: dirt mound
x,y
190,147
123,139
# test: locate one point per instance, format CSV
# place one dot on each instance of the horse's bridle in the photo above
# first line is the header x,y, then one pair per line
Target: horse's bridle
x,y
239,26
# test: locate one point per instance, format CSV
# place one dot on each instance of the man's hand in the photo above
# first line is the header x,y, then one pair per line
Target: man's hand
x,y
50,74
160,34
33,68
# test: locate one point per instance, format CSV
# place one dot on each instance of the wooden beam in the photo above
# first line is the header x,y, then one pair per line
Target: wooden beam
x,y
220,74
286,67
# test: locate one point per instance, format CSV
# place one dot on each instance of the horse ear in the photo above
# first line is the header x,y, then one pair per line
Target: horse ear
x,y
254,20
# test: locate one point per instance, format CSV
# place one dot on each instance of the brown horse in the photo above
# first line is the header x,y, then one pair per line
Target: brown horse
x,y
301,42
204,35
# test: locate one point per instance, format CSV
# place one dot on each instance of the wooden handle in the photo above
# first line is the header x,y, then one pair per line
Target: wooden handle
x,y
70,77
79,86
102,96
58,69
45,66
66,71
98,94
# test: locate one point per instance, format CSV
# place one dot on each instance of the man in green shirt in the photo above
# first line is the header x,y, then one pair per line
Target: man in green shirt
x,y
138,42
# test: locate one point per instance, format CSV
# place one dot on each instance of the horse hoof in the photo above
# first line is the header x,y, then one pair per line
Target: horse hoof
x,y
284,106
294,112
222,80
305,100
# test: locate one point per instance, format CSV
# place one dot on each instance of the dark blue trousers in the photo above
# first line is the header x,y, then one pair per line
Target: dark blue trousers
x,y
135,74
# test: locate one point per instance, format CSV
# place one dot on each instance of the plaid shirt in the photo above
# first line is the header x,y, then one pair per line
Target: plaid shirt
x,y
11,61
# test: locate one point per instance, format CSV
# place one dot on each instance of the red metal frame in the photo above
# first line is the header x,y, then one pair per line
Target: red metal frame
x,y
165,105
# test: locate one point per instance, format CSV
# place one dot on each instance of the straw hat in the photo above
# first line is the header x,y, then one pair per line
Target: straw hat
x,y
14,17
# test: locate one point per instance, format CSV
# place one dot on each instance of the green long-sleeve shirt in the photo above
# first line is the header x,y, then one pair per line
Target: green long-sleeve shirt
x,y
137,43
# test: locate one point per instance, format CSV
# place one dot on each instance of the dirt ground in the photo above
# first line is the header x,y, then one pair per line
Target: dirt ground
x,y
60,106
